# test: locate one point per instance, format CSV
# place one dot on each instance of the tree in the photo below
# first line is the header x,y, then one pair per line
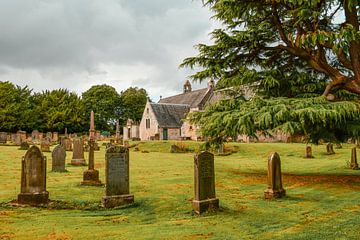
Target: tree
x,y
106,104
15,108
295,55
58,109
133,100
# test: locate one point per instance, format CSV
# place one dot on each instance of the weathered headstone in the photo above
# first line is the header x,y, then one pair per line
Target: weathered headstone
x,y
45,145
65,141
17,139
33,178
308,152
78,153
35,136
117,187
58,159
330,149
22,135
3,137
24,146
354,164
55,137
275,188
204,181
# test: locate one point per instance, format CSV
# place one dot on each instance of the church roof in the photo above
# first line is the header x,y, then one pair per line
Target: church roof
x,y
170,115
193,98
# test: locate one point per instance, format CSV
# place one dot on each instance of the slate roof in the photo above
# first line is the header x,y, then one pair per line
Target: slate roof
x,y
170,115
194,98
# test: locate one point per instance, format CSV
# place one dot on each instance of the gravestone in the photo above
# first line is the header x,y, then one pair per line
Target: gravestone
x,y
65,141
204,183
22,135
35,136
275,188
354,165
338,146
308,153
33,178
58,159
17,139
78,153
117,185
24,146
3,137
49,135
330,149
55,137
45,145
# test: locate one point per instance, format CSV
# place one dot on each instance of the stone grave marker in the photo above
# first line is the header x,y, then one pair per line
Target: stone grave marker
x,y
308,152
3,137
65,141
24,146
78,153
275,188
354,164
204,183
35,136
330,149
45,145
55,137
33,178
117,187
58,159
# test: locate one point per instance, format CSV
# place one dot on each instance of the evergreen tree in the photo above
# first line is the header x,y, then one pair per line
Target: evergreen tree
x,y
300,58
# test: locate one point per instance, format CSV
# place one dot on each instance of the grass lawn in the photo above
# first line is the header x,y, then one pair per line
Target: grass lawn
x,y
322,202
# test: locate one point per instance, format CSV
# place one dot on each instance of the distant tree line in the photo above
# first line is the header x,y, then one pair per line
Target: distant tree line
x,y
55,110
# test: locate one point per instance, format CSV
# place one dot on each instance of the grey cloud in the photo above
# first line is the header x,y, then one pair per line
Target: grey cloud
x,y
58,40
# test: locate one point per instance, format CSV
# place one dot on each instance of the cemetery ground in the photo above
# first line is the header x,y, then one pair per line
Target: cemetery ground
x,y
322,201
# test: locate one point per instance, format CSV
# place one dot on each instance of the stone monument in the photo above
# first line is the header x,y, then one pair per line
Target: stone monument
x,y
354,165
275,188
45,145
91,176
117,187
330,149
33,178
58,159
78,153
204,183
308,153
3,137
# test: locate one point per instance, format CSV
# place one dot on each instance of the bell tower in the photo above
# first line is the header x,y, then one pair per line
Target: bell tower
x,y
187,86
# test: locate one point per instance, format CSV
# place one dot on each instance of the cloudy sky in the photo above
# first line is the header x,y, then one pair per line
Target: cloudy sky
x,y
74,44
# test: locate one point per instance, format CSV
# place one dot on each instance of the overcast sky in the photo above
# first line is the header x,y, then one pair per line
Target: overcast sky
x,y
74,44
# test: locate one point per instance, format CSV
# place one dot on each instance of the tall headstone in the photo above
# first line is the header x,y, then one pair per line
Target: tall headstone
x,y
354,164
91,176
330,149
308,152
58,159
3,137
33,178
45,145
275,188
78,153
204,183
117,187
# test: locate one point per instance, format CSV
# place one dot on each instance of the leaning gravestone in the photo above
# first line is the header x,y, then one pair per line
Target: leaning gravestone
x,y
3,137
308,153
117,177
24,146
33,178
354,165
204,181
58,159
45,145
275,188
330,149
78,153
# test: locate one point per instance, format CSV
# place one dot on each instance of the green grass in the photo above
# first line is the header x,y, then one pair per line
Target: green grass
x,y
322,202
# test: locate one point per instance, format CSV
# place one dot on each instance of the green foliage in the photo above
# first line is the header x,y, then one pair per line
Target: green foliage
x,y
15,110
287,53
58,109
106,104
133,102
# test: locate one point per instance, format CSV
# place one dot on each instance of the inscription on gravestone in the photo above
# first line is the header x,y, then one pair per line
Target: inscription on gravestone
x,y
204,182
117,187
